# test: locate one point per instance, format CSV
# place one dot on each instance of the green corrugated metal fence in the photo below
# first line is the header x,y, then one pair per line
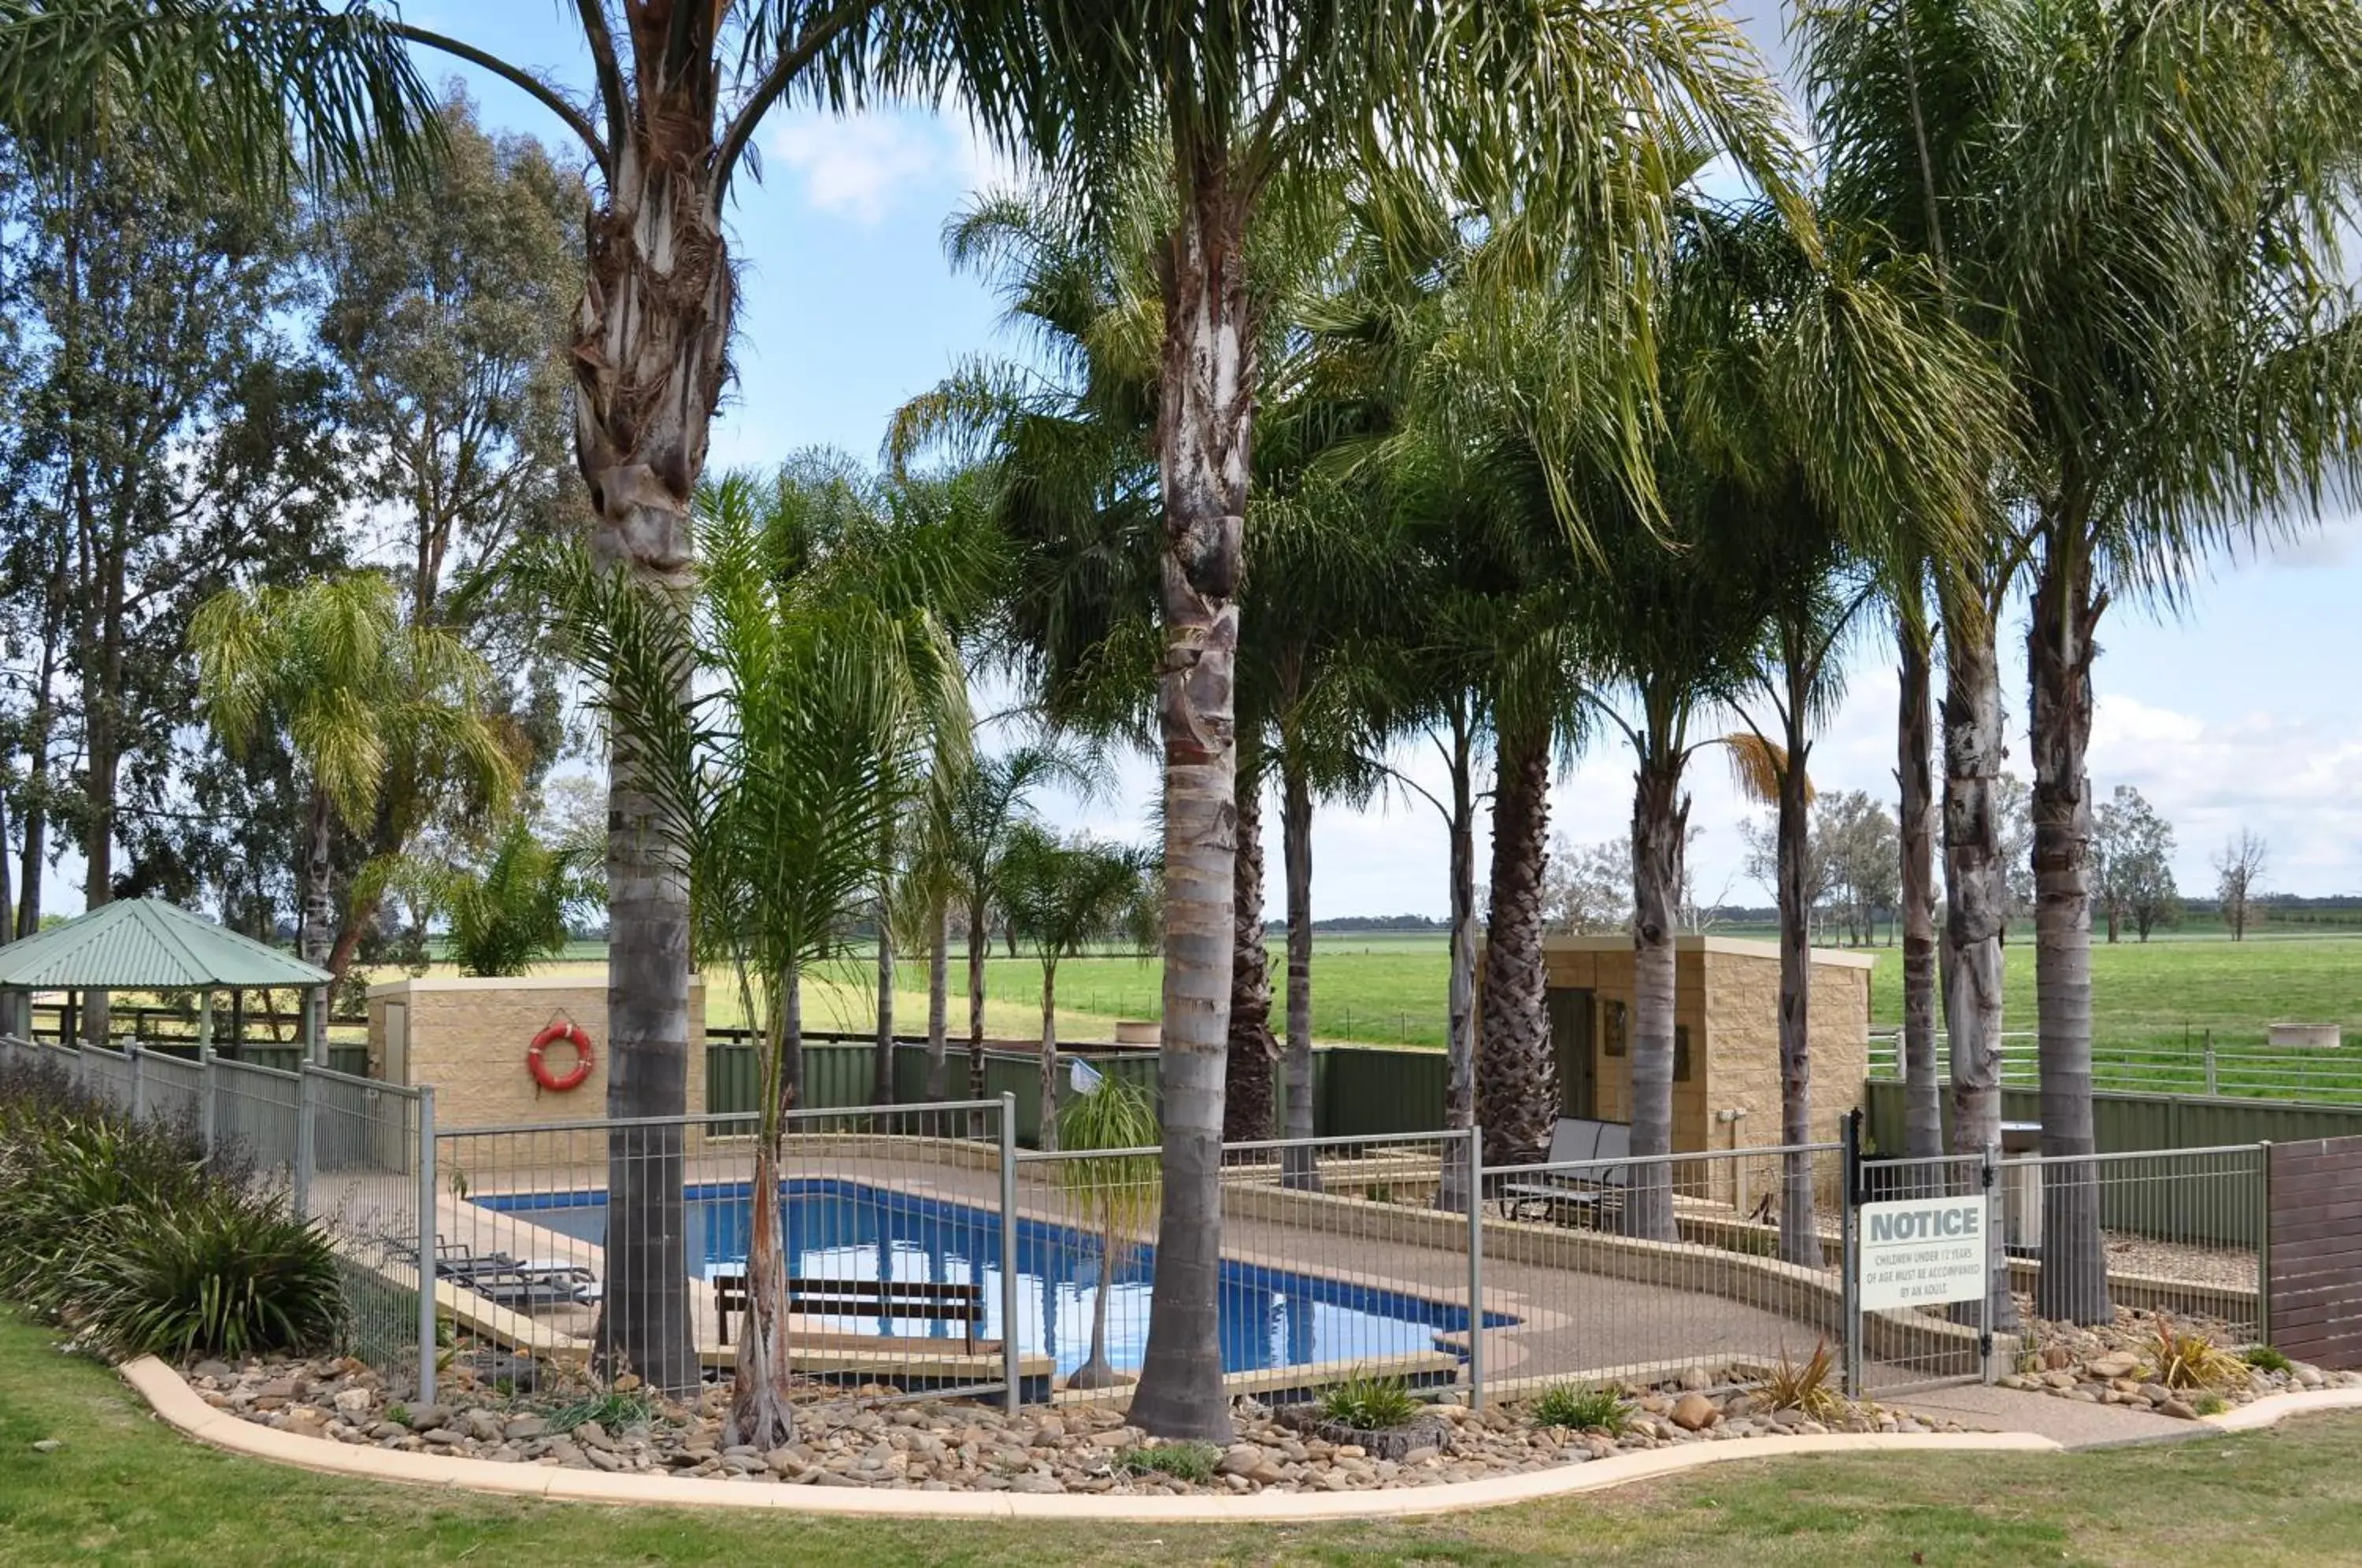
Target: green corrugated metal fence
x,y
1357,1091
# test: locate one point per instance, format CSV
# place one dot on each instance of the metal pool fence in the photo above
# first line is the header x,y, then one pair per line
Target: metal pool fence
x,y
925,1253
601,1249
347,1151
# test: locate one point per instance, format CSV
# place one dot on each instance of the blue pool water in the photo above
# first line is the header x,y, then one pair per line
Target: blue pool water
x,y
839,1230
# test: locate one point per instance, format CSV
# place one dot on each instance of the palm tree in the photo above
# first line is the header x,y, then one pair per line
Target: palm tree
x,y
250,94
832,686
987,812
1233,98
2180,368
512,910
359,693
1117,1192
1060,897
1916,817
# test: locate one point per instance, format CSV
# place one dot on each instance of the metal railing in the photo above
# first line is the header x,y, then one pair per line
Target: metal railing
x,y
925,1255
2202,1067
345,1150
600,1248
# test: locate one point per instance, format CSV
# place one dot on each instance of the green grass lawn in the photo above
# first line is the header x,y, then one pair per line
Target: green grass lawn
x,y
123,1491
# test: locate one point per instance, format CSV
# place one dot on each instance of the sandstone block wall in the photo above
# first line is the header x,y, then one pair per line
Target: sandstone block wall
x,y
469,1038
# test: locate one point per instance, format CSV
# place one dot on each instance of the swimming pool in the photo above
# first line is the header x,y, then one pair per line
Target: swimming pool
x,y
842,1230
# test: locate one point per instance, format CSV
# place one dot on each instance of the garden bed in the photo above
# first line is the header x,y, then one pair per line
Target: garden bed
x,y
2181,1365
946,1446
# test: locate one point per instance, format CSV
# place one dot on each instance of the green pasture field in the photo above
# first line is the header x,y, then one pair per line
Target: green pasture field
x,y
2154,1005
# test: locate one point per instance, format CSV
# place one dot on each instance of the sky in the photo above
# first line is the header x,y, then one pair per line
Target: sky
x,y
2241,711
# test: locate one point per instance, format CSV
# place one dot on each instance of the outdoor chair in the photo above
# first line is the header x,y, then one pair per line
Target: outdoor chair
x,y
1589,1191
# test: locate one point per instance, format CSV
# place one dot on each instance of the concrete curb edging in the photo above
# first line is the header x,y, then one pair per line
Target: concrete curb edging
x,y
2273,1408
174,1400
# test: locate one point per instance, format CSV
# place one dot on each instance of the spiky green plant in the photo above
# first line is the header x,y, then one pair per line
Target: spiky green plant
x,y
1582,1406
1370,1403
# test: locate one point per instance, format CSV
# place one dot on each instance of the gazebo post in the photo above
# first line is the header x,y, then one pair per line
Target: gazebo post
x,y
205,1069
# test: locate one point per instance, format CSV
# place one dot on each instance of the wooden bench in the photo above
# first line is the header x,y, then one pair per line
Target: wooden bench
x,y
961,1304
1575,1141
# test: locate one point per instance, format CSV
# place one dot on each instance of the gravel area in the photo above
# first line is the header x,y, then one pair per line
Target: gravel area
x,y
942,1446
2123,1363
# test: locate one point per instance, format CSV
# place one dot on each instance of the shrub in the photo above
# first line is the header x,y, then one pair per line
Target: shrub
x,y
1579,1407
2185,1358
1182,1461
1804,1388
2264,1358
2210,1404
227,1275
128,1234
1370,1404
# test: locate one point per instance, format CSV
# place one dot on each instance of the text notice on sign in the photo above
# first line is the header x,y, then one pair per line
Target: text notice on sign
x,y
1923,1250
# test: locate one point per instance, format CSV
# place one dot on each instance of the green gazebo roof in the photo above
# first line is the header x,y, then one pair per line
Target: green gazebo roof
x,y
147,945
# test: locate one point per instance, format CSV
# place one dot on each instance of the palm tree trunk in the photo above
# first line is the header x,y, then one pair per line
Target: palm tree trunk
x,y
1659,838
1800,1240
1301,1171
939,1000
649,344
1976,890
1247,1071
1046,1139
762,1412
1922,1114
978,942
1204,415
881,1070
2073,1286
1096,1371
1516,1076
317,927
1460,1067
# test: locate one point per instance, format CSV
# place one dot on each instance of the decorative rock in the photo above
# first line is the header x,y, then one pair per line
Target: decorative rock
x,y
426,1418
1694,1412
2177,1410
2116,1364
354,1402
305,1420
47,1445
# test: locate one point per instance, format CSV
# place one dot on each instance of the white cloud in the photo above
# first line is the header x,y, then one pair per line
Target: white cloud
x,y
865,166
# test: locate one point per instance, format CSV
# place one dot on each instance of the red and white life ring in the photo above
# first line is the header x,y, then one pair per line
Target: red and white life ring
x,y
583,1058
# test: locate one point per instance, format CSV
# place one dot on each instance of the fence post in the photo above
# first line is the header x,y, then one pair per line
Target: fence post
x,y
1988,1169
2264,1249
306,1117
135,1057
1849,1231
1475,1268
205,1072
2211,1090
426,1243
1010,1367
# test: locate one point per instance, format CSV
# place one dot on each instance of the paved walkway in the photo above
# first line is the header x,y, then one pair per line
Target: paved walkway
x,y
2070,1424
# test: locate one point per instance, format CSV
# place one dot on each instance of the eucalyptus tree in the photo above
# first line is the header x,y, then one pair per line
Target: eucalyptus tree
x,y
830,688
2139,211
334,671
1061,897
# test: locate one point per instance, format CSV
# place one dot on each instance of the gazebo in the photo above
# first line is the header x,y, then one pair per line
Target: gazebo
x,y
146,944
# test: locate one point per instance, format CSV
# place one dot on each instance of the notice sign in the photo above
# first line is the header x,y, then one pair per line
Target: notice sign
x,y
1922,1252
